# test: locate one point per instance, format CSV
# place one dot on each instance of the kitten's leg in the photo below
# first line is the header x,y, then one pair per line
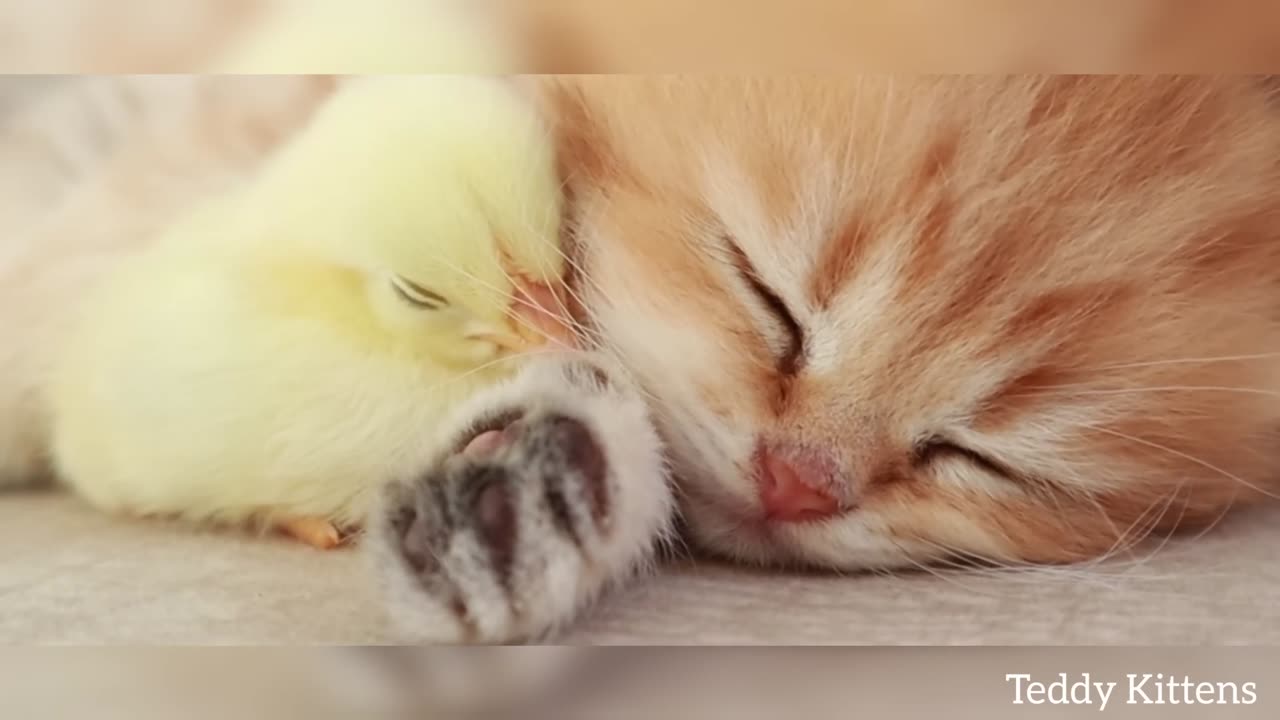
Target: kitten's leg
x,y
550,488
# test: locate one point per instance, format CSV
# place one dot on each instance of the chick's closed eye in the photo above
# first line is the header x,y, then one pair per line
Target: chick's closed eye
x,y
416,295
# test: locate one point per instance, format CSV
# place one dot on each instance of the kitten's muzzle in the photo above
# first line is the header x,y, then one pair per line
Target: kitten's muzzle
x,y
795,484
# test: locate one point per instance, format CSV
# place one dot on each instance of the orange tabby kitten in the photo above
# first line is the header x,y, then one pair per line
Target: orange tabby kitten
x,y
877,321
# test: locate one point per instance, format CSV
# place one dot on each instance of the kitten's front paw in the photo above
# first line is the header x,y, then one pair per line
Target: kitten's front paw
x,y
552,489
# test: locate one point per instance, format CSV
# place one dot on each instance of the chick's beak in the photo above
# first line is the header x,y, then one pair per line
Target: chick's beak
x,y
536,314
508,342
532,321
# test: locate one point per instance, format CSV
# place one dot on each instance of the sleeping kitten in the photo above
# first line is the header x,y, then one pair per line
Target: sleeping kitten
x,y
877,322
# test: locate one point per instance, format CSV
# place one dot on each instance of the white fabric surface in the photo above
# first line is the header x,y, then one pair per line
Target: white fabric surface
x,y
71,575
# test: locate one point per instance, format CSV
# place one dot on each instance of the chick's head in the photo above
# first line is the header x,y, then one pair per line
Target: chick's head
x,y
442,193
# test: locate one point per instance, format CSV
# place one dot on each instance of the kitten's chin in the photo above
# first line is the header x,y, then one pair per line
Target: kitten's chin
x,y
854,541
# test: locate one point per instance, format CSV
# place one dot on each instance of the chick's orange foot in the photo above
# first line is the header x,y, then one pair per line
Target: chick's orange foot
x,y
314,531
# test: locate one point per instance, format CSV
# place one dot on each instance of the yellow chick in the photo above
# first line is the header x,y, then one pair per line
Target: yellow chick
x,y
288,347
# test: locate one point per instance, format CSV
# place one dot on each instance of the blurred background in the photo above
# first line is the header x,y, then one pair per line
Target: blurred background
x,y
116,36
600,684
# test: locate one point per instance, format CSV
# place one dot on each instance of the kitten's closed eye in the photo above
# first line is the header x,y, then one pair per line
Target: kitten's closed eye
x,y
416,295
789,360
937,447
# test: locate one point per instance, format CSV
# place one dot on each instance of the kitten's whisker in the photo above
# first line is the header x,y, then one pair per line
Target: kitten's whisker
x,y
1184,361
564,314
944,576
1027,574
489,286
1069,390
515,357
1140,562
501,293
1031,575
579,271
1129,539
1222,514
563,283
1011,572
1118,544
1185,456
567,256
1127,543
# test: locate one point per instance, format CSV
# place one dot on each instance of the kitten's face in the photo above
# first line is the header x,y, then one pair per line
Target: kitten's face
x,y
1024,319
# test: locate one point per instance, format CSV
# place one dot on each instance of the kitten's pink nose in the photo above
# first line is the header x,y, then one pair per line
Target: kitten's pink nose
x,y
795,485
